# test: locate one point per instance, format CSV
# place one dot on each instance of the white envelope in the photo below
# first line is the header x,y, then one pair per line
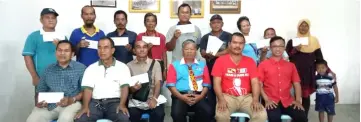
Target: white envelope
x,y
299,41
92,44
263,43
188,28
50,97
50,36
213,45
120,41
141,78
151,39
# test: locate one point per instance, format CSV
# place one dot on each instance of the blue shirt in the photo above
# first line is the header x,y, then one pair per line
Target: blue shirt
x,y
43,53
59,79
121,53
178,76
250,50
86,56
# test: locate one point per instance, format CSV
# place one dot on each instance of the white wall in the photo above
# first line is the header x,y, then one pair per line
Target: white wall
x,y
335,23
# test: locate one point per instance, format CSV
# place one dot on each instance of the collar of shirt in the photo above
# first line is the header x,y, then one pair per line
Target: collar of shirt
x,y
100,62
184,62
83,30
156,34
148,60
181,24
42,31
125,34
274,60
70,65
210,33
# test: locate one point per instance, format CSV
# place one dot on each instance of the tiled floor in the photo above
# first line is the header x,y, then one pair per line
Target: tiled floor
x,y
344,113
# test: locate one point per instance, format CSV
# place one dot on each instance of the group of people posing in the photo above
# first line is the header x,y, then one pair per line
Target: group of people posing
x,y
240,77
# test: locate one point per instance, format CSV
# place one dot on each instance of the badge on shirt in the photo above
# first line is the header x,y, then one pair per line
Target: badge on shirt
x,y
242,70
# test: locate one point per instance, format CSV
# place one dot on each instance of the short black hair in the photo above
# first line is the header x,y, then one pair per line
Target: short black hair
x,y
66,42
264,33
109,39
241,19
237,34
321,61
275,39
185,5
121,12
149,15
87,6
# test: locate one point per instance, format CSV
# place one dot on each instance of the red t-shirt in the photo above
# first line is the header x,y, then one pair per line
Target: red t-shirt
x,y
157,50
277,78
236,79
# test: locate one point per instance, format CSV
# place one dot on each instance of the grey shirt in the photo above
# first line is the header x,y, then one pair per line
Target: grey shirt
x,y
177,52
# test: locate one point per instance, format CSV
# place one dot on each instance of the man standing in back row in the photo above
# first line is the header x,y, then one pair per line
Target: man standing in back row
x,y
175,37
80,37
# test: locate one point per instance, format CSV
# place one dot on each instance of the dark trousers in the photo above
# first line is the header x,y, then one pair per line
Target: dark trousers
x,y
274,115
156,115
306,102
212,101
201,109
104,109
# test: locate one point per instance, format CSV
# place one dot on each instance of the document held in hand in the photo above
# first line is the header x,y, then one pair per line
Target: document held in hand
x,y
188,28
51,36
141,78
92,44
151,39
213,45
263,43
299,41
50,97
120,41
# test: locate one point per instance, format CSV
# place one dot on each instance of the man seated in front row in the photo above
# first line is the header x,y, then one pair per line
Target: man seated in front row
x,y
188,81
105,87
278,76
141,64
236,84
63,76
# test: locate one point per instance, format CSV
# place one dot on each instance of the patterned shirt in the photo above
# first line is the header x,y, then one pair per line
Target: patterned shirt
x,y
324,83
58,79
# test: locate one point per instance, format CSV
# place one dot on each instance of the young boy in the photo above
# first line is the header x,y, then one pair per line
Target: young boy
x,y
326,86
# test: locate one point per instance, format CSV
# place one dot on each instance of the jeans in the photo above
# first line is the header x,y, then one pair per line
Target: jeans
x,y
156,115
104,109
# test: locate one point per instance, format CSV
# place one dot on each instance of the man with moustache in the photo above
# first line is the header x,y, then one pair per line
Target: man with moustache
x,y
63,76
80,37
105,87
175,37
236,84
216,23
139,66
37,52
123,53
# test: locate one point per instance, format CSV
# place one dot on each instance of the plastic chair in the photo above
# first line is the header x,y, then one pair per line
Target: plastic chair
x,y
285,118
241,116
104,120
54,121
145,117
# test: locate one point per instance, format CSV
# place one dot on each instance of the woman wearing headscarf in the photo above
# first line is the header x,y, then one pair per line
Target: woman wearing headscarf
x,y
304,57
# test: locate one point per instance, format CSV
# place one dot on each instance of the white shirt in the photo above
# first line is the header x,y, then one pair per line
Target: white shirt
x,y
106,82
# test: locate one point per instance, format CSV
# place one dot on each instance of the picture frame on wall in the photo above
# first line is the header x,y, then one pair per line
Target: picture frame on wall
x,y
225,6
104,3
144,6
196,5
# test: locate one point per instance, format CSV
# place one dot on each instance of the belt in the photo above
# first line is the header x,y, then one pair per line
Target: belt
x,y
194,92
106,99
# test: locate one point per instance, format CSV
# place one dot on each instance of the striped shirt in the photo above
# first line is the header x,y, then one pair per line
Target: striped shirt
x,y
324,83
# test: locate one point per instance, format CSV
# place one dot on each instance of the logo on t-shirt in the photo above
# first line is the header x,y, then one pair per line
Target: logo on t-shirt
x,y
237,74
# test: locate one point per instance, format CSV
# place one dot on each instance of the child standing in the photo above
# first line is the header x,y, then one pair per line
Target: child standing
x,y
326,86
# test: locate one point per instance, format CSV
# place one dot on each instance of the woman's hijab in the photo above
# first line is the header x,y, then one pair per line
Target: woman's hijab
x,y
313,43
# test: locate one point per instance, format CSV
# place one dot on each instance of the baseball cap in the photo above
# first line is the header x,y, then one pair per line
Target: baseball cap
x,y
216,16
48,11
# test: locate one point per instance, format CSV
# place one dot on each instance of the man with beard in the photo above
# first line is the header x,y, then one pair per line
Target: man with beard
x,y
123,53
236,84
81,37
